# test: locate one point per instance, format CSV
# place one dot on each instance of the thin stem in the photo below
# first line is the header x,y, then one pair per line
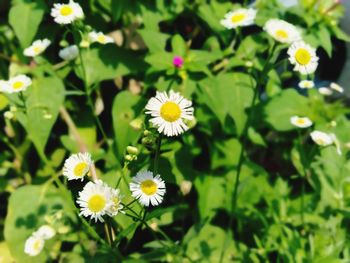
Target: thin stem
x,y
259,83
303,178
157,155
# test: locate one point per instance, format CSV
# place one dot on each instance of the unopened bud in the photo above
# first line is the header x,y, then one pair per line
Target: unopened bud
x,y
132,150
136,124
13,108
8,115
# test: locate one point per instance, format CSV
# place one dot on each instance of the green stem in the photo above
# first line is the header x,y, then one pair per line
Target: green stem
x,y
259,83
303,178
157,155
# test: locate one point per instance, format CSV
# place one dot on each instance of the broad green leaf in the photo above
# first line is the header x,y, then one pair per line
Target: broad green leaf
x,y
154,40
108,62
25,17
229,94
26,210
178,45
43,100
125,109
282,107
117,8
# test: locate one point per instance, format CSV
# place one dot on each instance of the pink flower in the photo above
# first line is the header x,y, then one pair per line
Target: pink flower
x,y
178,61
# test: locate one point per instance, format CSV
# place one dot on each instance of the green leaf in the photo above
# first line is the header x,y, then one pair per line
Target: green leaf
x,y
43,98
108,62
26,210
283,106
25,17
117,8
178,45
154,40
125,109
229,94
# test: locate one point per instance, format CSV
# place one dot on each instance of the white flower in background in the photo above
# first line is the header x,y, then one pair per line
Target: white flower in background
x,y
147,189
169,112
45,232
116,206
69,53
4,86
336,87
38,47
17,84
67,13
321,138
95,200
301,122
34,245
240,17
77,166
325,91
282,31
303,57
306,84
100,38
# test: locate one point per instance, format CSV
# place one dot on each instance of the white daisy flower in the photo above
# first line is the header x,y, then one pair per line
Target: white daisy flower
x,y
45,232
301,122
147,189
240,17
67,13
69,53
34,245
115,197
282,31
37,47
306,84
303,57
336,87
77,166
95,200
17,84
100,38
4,86
321,138
169,112
325,91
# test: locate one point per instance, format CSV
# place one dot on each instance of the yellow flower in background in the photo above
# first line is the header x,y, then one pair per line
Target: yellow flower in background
x,y
17,84
38,47
77,166
100,38
169,112
306,84
282,31
239,18
95,200
301,122
67,13
303,57
34,245
148,189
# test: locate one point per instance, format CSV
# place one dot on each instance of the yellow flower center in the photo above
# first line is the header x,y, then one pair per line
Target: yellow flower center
x,y
170,111
37,50
101,39
301,121
80,169
238,18
149,187
66,10
320,141
281,34
96,203
37,245
303,56
18,85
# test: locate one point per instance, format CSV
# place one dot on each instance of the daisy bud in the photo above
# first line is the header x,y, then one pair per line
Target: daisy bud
x,y
8,115
136,124
132,150
178,61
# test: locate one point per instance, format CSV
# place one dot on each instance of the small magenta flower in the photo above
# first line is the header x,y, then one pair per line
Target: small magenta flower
x,y
178,61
